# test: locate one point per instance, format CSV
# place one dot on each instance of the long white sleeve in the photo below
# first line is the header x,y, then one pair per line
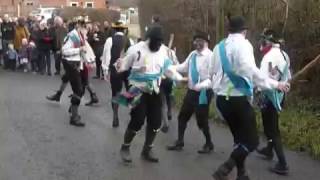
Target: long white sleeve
x,y
106,55
183,67
173,74
246,67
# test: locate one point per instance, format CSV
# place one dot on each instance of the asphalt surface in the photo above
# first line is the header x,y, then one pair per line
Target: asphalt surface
x,y
37,143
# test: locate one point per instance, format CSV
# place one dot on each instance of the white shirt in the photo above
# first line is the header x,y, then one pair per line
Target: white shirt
x,y
106,55
241,57
203,59
274,63
139,56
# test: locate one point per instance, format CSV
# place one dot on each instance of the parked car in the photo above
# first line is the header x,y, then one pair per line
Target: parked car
x,y
46,13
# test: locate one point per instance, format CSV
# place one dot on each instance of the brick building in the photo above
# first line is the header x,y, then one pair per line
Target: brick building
x,y
11,6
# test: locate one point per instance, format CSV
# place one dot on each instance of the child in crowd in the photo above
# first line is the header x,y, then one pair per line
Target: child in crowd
x,y
12,57
24,55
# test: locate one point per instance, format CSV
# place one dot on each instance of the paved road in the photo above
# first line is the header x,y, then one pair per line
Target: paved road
x,y
36,142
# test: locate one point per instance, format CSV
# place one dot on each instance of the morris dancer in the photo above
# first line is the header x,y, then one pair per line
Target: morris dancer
x,y
114,47
198,97
148,61
235,72
275,64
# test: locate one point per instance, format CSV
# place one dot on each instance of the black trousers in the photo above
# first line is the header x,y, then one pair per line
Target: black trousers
x,y
99,71
57,61
74,77
83,73
45,61
270,119
240,116
191,105
11,64
117,80
148,109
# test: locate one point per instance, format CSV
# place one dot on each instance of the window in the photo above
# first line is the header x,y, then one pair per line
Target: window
x,y
29,3
89,4
74,4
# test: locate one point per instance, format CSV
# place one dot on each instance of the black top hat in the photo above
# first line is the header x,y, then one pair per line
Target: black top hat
x,y
237,24
155,32
119,25
201,35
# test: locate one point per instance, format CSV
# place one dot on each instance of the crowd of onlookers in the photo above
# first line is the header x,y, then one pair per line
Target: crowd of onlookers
x,y
28,44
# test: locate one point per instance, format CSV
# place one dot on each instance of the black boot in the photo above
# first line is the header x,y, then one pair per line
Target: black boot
x,y
115,122
55,97
206,149
177,146
165,128
75,119
94,100
243,177
224,170
267,152
125,153
125,148
281,169
147,153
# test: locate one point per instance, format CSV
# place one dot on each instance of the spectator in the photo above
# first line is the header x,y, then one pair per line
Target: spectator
x,y
108,32
1,48
21,32
23,55
96,40
60,33
7,31
45,41
12,57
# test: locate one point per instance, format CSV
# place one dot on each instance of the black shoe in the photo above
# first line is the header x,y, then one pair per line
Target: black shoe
x,y
125,154
57,73
148,155
76,121
280,169
49,74
55,97
224,170
206,149
94,100
96,77
165,129
169,117
244,177
178,146
266,153
219,176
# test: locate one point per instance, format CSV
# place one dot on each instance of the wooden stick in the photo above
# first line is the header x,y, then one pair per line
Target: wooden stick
x,y
305,69
171,41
